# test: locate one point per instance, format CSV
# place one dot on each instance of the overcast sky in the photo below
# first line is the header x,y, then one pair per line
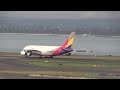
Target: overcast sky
x,y
61,14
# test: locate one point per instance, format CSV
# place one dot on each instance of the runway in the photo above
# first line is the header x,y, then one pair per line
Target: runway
x,y
16,63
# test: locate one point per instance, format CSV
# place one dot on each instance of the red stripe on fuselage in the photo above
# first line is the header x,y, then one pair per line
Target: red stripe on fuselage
x,y
65,44
59,50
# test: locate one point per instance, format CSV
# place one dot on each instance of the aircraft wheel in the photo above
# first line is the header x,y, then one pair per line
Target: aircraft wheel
x,y
51,56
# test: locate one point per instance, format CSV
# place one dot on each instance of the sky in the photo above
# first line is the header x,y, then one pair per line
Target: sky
x,y
61,14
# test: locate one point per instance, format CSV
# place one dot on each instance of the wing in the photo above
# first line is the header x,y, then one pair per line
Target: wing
x,y
34,52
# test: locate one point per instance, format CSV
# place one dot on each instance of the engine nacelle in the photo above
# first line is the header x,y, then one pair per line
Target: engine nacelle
x,y
22,53
29,54
25,53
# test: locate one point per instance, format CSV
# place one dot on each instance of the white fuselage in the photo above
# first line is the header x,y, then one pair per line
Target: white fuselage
x,y
45,50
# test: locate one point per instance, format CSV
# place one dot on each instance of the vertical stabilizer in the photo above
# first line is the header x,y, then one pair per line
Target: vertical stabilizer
x,y
69,41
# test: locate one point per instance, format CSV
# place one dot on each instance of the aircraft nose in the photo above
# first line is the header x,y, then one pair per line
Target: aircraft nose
x,y
22,52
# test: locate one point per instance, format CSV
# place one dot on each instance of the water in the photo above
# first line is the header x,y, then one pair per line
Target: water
x,y
98,45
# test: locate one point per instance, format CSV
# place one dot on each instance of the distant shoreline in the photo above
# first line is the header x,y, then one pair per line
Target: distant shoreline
x,y
61,35
32,34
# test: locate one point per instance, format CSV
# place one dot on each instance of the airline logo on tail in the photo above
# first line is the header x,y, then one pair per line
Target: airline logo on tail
x,y
69,40
67,45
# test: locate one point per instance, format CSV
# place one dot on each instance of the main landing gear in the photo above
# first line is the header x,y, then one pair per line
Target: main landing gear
x,y
41,56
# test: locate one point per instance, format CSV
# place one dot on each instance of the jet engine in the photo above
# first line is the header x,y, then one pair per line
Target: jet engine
x,y
23,53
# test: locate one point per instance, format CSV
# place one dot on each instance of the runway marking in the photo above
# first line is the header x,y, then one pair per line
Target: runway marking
x,y
2,78
59,77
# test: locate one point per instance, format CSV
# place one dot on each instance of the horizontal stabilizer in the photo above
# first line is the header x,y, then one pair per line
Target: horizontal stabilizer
x,y
68,50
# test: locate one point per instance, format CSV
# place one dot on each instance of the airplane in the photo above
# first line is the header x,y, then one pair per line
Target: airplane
x,y
50,51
